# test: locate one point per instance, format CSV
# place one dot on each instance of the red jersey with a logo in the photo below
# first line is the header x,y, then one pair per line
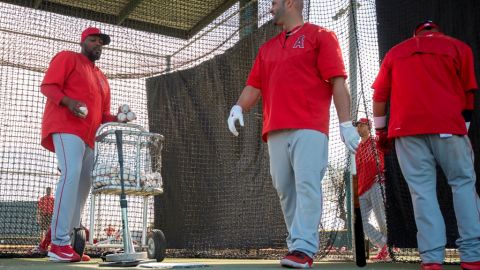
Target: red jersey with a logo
x,y
428,79
45,205
76,77
370,164
293,73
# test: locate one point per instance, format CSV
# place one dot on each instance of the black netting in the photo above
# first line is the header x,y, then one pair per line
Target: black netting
x,y
181,79
181,65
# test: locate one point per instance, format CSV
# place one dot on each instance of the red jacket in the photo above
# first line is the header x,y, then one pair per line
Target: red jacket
x,y
429,81
75,76
293,76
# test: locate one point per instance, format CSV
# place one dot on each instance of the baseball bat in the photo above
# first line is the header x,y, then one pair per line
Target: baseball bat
x,y
359,236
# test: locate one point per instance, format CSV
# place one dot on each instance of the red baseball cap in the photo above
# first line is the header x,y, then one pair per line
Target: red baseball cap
x,y
93,31
363,121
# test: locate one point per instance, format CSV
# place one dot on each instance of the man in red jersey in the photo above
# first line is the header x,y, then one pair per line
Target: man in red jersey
x,y
78,102
296,73
370,165
429,80
45,210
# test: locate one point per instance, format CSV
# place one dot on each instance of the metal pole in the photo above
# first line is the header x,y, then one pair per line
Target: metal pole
x,y
92,218
145,220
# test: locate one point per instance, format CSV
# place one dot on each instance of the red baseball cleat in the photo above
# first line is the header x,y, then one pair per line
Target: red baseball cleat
x,y
470,265
431,266
63,254
296,259
382,255
85,258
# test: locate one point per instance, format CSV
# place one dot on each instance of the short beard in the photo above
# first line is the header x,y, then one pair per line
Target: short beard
x,y
93,57
89,54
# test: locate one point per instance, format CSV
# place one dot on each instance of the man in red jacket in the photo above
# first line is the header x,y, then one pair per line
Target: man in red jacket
x,y
78,102
45,211
429,80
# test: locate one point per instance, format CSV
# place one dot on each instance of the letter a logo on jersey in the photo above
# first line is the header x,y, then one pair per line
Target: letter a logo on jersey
x,y
299,42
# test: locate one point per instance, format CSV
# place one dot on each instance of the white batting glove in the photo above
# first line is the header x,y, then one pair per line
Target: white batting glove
x,y
467,124
235,114
349,136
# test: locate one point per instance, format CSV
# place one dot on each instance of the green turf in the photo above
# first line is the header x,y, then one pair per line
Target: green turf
x,y
213,264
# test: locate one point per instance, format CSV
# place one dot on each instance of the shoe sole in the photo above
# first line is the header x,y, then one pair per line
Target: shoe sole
x,y
55,258
291,264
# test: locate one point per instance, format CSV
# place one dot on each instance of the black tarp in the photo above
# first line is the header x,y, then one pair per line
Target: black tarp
x,y
218,192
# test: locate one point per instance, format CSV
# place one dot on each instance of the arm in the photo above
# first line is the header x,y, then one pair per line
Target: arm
x,y
381,93
341,98
249,97
379,109
53,83
379,114
380,120
54,93
469,83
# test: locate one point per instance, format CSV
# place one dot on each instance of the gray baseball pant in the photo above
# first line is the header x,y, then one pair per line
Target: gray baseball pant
x,y
75,160
418,157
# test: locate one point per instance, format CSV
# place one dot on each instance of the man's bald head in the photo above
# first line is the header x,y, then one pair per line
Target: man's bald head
x,y
286,10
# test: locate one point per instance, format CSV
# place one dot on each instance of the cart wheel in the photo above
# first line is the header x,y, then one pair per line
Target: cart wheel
x,y
79,239
157,245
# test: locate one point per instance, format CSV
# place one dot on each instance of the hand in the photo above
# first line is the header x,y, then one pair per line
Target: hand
x,y
74,106
383,143
349,136
235,114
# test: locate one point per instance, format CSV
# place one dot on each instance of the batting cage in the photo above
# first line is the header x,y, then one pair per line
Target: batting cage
x,y
181,65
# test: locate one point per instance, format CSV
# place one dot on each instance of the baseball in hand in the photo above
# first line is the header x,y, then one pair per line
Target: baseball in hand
x,y
124,109
131,116
121,117
83,110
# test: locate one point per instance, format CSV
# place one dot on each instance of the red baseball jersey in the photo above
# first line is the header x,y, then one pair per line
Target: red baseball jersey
x,y
293,73
370,164
45,205
428,79
75,76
